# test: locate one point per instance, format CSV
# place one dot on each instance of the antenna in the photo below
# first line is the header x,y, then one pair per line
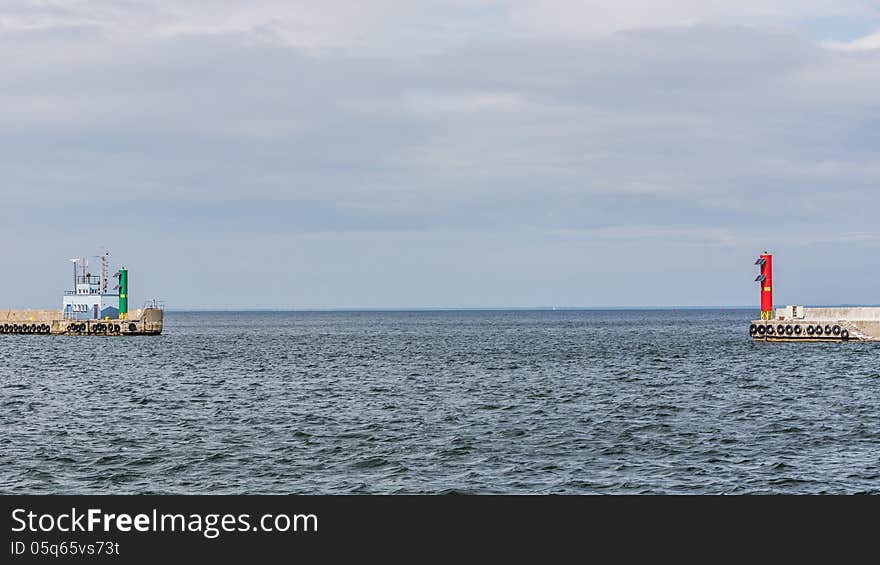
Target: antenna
x,y
105,260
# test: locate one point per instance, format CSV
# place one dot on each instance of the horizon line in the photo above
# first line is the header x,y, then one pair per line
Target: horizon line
x,y
474,308
486,308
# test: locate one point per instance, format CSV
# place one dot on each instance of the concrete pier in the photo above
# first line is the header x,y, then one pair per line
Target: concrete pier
x,y
796,323
147,321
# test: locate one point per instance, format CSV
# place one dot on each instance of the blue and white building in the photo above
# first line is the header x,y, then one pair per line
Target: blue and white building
x,y
91,298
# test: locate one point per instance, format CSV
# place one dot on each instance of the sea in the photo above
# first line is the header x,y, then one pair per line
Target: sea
x,y
439,402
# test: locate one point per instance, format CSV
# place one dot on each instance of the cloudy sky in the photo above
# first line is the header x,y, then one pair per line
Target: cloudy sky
x,y
458,153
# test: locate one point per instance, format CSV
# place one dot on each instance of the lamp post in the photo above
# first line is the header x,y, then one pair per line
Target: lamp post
x,y
74,261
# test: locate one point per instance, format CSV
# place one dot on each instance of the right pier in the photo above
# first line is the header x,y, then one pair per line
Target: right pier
x,y
796,323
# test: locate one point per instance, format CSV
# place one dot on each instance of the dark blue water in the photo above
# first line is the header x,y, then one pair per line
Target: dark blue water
x,y
439,402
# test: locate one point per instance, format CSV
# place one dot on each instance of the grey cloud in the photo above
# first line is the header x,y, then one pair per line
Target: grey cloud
x,y
494,174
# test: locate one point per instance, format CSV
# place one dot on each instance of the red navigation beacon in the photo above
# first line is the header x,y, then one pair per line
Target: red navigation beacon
x,y
765,279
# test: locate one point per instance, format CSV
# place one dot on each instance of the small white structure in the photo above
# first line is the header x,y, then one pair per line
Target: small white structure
x,y
791,313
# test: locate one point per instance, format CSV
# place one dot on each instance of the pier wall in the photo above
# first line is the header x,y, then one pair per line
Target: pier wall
x,y
29,315
834,314
148,321
796,323
47,315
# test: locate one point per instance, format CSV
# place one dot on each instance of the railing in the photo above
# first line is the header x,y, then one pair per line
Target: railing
x,y
154,303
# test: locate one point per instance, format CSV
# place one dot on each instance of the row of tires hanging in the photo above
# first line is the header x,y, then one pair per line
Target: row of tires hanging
x,y
25,329
74,328
799,331
98,328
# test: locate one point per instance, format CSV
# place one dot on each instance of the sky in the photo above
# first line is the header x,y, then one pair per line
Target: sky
x,y
390,154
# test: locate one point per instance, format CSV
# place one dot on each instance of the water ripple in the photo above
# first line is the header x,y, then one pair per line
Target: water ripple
x,y
439,402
